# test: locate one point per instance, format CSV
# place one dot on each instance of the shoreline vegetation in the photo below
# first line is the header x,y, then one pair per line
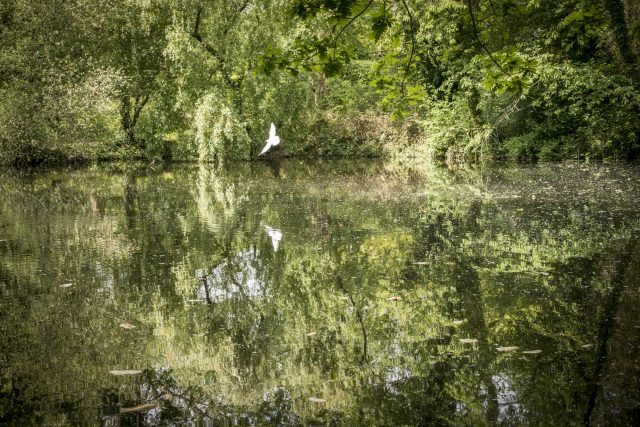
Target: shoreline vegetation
x,y
414,81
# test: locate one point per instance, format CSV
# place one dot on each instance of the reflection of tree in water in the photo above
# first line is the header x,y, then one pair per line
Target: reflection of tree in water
x,y
218,198
411,401
231,278
363,305
440,238
453,242
624,275
130,198
170,402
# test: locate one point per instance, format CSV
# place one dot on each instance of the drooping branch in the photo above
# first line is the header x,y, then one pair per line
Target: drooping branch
x,y
413,43
482,45
335,39
234,19
222,65
412,29
196,27
493,8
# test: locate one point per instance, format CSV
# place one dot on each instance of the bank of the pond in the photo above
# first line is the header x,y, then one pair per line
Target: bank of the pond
x,y
414,140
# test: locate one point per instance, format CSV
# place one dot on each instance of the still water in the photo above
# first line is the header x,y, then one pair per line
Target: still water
x,y
328,293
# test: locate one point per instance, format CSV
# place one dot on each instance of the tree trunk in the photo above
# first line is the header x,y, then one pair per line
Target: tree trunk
x,y
129,119
320,87
128,137
621,33
473,100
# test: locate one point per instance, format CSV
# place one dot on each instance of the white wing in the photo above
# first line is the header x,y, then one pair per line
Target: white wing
x,y
266,148
272,141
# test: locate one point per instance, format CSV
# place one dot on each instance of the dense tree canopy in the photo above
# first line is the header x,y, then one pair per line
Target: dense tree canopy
x,y
202,80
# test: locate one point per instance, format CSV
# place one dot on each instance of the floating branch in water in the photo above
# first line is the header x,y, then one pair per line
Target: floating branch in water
x,y
125,372
138,408
507,349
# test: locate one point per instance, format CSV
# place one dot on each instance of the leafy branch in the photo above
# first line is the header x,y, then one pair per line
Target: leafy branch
x,y
335,40
413,43
222,66
482,45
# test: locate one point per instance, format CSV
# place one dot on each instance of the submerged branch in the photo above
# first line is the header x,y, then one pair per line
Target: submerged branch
x,y
360,321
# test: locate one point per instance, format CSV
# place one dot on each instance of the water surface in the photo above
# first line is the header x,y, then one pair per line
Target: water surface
x,y
328,293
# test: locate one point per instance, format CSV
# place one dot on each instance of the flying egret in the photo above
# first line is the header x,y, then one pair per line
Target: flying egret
x,y
272,141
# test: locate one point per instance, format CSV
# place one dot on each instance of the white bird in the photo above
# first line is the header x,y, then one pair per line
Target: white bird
x,y
272,141
276,236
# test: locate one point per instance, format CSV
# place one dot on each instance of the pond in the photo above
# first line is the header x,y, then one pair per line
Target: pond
x,y
320,293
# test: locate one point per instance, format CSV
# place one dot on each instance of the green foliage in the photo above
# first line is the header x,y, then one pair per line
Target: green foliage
x,y
514,75
218,131
451,131
578,111
196,80
364,135
351,93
